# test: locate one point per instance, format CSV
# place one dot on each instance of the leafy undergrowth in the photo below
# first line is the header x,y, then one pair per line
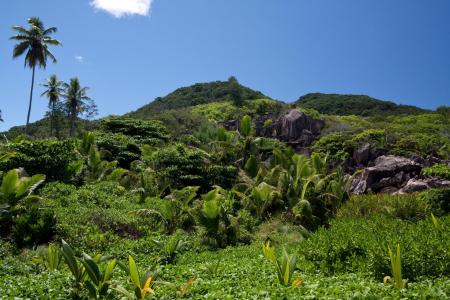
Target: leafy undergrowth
x,y
242,273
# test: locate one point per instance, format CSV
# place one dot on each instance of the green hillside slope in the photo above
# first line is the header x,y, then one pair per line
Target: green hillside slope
x,y
360,105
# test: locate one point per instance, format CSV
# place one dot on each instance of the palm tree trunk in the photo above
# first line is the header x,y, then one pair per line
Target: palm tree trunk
x,y
72,124
31,100
52,119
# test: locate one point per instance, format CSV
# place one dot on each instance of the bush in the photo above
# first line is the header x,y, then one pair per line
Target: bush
x,y
181,166
438,170
48,157
438,201
147,132
336,144
34,227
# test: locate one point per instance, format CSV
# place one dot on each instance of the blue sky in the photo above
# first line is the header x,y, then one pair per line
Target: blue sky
x,y
131,51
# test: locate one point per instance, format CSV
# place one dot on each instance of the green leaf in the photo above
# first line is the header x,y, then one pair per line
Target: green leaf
x,y
134,272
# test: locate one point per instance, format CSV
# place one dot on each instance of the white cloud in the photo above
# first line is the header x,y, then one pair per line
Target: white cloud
x,y
120,8
79,58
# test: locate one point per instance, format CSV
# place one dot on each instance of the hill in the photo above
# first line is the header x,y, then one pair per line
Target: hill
x,y
200,93
360,105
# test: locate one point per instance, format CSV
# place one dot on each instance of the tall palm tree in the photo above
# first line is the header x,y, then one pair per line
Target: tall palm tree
x,y
54,89
77,101
1,120
34,41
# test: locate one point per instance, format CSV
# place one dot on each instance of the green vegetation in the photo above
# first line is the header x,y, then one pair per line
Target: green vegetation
x,y
165,203
200,93
344,105
404,135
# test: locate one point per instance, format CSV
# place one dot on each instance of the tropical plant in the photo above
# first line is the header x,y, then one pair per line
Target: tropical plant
x,y
170,248
396,269
264,196
53,92
49,257
76,268
34,41
174,211
147,184
16,190
216,218
183,290
285,265
212,268
89,272
99,276
96,167
142,281
77,102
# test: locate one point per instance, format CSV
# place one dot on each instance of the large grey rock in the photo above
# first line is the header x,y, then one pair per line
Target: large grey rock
x,y
362,155
415,185
388,171
296,126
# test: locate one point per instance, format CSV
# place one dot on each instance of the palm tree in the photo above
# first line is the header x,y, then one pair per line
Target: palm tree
x,y
76,101
34,41
1,120
54,89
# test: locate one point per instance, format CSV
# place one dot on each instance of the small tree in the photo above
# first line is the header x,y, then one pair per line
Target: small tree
x,y
444,111
235,91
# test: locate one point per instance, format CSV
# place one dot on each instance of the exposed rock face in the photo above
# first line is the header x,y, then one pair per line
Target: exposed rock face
x,y
362,155
295,128
388,174
415,185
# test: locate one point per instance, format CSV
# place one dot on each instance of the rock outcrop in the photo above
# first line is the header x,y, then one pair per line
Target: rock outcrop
x,y
294,128
394,175
389,174
415,185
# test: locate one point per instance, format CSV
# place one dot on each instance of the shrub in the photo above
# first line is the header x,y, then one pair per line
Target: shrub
x,y
34,227
48,157
438,170
438,201
336,144
144,131
181,165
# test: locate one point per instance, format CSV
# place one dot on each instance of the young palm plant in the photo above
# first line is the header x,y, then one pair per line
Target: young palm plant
x,y
396,269
35,42
285,265
49,257
170,248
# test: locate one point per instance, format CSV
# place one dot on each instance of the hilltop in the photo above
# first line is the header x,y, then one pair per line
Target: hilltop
x,y
199,93
360,105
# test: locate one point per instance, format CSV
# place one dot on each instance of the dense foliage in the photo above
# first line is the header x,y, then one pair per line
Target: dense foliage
x,y
199,93
345,105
